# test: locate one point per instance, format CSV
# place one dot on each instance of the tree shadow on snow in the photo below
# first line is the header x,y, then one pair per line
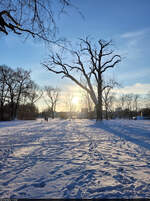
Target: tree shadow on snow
x,y
13,123
130,134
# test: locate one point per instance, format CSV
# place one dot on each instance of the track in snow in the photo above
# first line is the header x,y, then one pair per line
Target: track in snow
x,y
75,159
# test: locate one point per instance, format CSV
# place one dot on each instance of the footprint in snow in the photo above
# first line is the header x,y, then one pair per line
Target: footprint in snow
x,y
120,169
106,163
124,179
39,185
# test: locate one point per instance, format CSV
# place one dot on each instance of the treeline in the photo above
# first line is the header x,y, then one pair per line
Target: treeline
x,y
126,106
18,94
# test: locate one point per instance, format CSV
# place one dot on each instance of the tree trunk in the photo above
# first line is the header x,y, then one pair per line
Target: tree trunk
x,y
17,103
2,112
99,104
98,112
53,116
12,111
16,109
106,113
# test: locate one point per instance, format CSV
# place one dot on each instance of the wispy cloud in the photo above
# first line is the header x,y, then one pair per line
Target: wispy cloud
x,y
135,74
135,33
137,88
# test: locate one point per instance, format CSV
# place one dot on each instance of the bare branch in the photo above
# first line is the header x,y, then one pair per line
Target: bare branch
x,y
66,74
109,61
34,17
112,65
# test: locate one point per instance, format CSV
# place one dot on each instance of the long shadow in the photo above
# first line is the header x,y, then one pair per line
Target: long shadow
x,y
13,123
128,137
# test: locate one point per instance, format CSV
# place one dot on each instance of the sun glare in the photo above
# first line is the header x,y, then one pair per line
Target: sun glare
x,y
75,100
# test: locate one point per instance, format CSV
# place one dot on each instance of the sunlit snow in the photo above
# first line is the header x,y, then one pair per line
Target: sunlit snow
x,y
75,159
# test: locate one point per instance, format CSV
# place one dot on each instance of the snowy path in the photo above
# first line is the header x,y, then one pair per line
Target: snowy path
x,y
75,159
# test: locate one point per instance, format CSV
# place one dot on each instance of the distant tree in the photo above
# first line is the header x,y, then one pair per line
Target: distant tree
x,y
108,97
10,81
4,70
145,112
14,85
128,101
35,93
31,17
53,95
147,100
136,98
45,112
22,86
129,105
122,101
108,101
27,112
88,65
69,104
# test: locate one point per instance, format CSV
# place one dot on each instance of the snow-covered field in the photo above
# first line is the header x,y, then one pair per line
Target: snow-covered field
x,y
75,159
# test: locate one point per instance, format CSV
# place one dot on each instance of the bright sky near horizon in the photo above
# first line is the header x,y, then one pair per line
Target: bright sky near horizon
x,y
127,23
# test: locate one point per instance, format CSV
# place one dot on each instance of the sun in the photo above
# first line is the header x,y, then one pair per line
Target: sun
x,y
75,100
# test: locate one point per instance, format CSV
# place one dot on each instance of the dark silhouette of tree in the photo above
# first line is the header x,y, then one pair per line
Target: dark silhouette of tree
x,y
14,85
136,98
4,70
53,95
128,105
9,79
88,65
31,17
34,93
23,84
147,100
108,97
27,112
145,113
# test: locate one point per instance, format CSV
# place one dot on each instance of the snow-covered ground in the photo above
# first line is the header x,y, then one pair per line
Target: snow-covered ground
x,y
75,159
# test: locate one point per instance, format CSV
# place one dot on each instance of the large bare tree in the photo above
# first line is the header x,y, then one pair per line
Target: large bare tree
x,y
89,63
31,17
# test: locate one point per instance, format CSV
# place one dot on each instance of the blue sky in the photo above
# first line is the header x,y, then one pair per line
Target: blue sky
x,y
125,22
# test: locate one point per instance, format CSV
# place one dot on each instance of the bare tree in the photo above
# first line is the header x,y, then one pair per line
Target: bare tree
x,y
31,17
122,99
91,61
53,95
10,81
128,101
69,104
3,89
108,96
14,84
136,102
23,84
34,94
147,100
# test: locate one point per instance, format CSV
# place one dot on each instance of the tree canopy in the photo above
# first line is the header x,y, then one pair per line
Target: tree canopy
x,y
31,17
